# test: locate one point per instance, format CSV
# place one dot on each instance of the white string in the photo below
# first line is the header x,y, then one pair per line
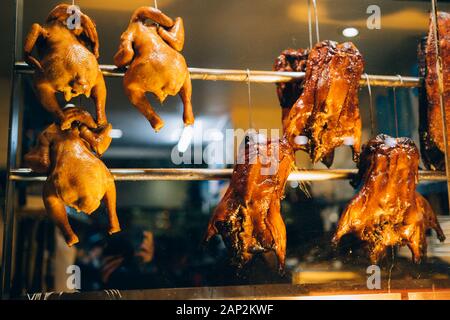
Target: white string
x,y
73,2
156,4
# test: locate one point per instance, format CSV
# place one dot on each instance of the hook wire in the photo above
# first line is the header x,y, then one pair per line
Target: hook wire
x,y
250,118
391,268
371,110
316,20
310,25
395,106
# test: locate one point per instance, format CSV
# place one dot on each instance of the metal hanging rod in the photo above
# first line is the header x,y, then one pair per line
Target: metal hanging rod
x,y
255,76
215,174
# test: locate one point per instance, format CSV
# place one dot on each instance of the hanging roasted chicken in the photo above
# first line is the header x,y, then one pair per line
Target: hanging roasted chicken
x,y
431,126
155,64
76,176
67,61
387,211
327,112
248,217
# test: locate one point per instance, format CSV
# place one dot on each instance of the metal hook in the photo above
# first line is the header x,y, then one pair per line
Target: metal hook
x,y
316,20
395,105
372,116
250,120
310,25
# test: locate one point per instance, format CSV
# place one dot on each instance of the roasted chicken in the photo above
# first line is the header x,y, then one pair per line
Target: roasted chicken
x,y
431,126
66,62
290,60
387,211
152,52
76,176
248,217
327,112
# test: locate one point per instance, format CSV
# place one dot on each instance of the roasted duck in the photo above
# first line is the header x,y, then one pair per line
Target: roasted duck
x,y
431,127
66,63
76,176
387,211
327,112
290,60
248,217
152,53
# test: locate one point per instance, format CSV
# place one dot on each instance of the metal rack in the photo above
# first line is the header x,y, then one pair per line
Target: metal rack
x,y
15,174
252,76
216,174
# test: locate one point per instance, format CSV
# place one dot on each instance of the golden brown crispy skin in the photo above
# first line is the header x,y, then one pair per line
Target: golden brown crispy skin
x,y
387,211
76,176
66,63
248,217
290,60
432,131
327,111
152,53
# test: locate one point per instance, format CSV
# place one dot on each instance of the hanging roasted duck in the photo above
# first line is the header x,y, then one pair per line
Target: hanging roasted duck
x,y
290,60
387,211
431,126
155,64
66,62
327,112
248,217
76,176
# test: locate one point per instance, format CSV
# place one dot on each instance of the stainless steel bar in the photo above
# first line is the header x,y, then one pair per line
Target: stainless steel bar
x,y
255,76
25,174
13,134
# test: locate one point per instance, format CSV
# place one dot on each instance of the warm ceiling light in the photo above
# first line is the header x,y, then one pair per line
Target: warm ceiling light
x,y
350,32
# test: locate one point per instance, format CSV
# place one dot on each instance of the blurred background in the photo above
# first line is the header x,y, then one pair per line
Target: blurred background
x,y
164,222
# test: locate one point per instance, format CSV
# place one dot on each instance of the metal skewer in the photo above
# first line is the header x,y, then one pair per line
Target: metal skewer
x,y
171,174
255,76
